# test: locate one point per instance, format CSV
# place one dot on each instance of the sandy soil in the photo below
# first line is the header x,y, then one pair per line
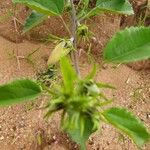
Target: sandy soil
x,y
19,125
22,125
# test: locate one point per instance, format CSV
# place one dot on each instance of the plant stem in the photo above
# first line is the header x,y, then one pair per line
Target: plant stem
x,y
86,15
65,25
74,54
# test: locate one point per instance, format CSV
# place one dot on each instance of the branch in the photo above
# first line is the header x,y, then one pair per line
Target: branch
x,y
74,54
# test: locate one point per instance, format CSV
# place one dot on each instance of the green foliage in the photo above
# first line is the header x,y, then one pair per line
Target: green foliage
x,y
83,33
33,20
127,123
92,74
113,6
43,9
76,132
46,78
56,7
81,100
116,6
68,75
18,91
131,44
47,7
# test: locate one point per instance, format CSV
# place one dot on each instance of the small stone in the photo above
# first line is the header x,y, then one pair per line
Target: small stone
x,y
148,115
76,146
56,142
91,141
22,147
104,66
1,138
54,137
14,128
108,143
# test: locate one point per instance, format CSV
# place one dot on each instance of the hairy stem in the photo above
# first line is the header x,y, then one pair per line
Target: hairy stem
x,y
74,54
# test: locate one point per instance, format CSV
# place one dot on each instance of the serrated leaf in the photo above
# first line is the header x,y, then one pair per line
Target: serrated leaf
x,y
18,91
61,50
117,6
48,7
131,44
113,6
68,74
33,20
128,123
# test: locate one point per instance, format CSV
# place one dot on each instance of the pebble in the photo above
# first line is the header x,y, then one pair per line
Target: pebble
x,y
91,141
56,142
1,138
54,137
76,146
104,66
148,115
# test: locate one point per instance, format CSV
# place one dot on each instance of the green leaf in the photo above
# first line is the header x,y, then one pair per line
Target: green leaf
x,y
53,106
18,91
68,74
117,6
61,50
113,6
86,3
92,74
131,44
105,85
48,7
33,20
127,123
75,133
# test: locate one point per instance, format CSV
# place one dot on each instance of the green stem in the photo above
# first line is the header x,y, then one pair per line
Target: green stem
x,y
85,16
